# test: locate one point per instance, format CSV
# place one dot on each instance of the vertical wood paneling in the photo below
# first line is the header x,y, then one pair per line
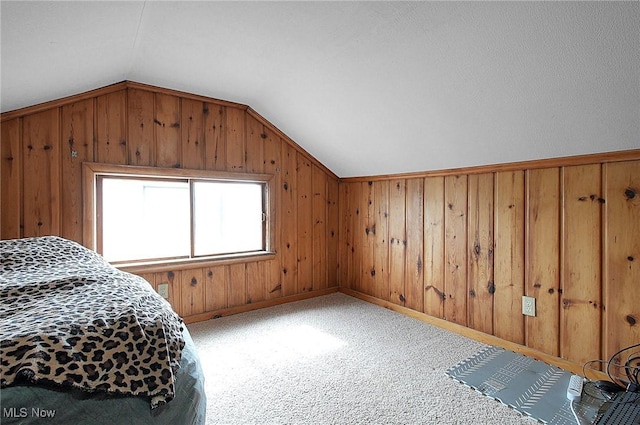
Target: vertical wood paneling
x,y
215,117
480,253
414,274
140,127
366,231
235,140
434,235
319,210
305,224
581,299
508,322
333,224
237,289
354,255
397,241
289,224
77,147
193,292
216,285
174,280
41,178
272,165
381,245
344,237
455,278
256,136
167,130
10,179
193,141
622,257
255,281
543,259
111,128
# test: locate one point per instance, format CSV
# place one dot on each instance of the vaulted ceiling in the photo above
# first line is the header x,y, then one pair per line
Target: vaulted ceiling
x,y
368,88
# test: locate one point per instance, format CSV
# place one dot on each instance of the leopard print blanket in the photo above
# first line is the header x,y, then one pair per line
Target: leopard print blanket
x,y
68,318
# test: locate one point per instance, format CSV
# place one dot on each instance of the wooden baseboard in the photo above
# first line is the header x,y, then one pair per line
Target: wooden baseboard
x,y
477,335
255,306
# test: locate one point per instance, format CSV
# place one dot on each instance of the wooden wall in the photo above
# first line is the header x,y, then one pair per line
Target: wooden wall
x,y
466,245
44,146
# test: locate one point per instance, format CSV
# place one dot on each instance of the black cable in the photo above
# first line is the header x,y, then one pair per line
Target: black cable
x,y
632,379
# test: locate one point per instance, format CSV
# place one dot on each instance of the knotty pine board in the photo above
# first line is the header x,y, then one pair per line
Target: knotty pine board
x,y
543,258
581,299
480,253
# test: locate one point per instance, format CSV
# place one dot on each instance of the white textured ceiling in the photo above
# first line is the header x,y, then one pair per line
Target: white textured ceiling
x,y
368,88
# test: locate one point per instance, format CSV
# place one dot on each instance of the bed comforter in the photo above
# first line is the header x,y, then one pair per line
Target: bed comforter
x,y
70,319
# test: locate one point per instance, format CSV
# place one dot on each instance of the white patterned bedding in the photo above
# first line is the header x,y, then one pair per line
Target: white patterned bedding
x,y
68,318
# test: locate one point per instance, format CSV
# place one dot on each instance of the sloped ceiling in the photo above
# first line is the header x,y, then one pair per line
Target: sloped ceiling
x,y
368,88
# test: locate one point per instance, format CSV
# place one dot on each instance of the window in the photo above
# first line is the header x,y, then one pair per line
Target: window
x,y
144,214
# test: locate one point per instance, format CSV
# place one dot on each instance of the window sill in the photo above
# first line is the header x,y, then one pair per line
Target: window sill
x,y
192,263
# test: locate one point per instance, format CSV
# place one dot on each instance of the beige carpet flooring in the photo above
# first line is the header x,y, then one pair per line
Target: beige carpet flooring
x,y
337,360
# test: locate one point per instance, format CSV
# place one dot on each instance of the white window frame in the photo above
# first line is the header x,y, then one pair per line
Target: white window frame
x,y
92,171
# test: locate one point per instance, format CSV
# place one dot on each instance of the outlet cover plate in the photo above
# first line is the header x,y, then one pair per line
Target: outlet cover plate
x,y
163,290
528,306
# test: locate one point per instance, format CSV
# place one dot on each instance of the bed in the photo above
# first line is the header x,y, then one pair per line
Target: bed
x,y
85,343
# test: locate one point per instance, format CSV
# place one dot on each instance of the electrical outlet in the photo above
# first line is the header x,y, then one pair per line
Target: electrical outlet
x,y
163,290
528,306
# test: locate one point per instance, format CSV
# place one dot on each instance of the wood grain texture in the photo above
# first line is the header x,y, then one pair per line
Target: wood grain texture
x,y
140,127
289,223
167,118
455,242
216,285
622,257
320,206
272,165
77,147
174,281
381,243
434,236
304,235
397,242
414,260
215,134
193,148
480,253
111,128
542,332
10,178
508,322
332,230
41,178
366,232
581,299
235,140
256,135
193,292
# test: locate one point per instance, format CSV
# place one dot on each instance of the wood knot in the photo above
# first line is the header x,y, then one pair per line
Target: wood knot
x,y
263,135
210,273
631,320
491,287
367,231
194,281
630,258
47,147
170,275
476,249
370,183
273,162
472,293
285,186
373,272
630,193
551,291
402,298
